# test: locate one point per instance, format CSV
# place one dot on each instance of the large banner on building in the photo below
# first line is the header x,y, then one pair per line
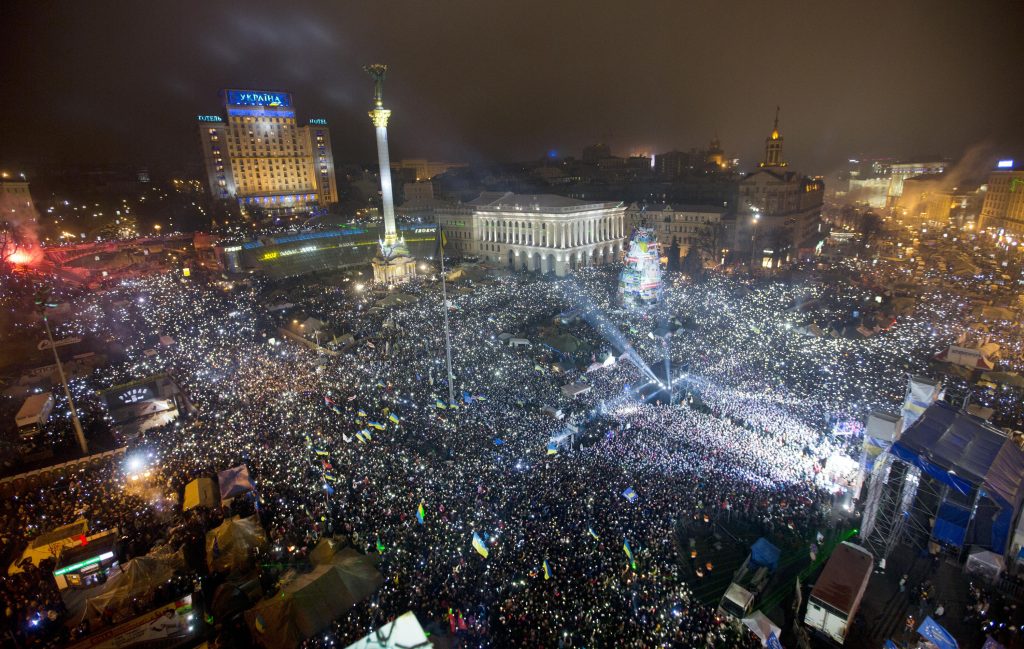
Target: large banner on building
x,y
175,621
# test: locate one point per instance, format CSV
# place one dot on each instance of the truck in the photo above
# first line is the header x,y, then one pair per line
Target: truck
x,y
750,580
837,594
34,413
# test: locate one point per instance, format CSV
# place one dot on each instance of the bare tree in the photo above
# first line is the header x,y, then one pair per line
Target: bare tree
x,y
11,243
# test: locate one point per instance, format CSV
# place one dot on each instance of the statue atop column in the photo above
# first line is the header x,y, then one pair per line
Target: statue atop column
x,y
377,72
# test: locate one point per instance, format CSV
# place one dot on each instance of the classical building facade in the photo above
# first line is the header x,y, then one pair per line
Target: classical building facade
x,y
543,233
687,225
258,154
1003,208
778,214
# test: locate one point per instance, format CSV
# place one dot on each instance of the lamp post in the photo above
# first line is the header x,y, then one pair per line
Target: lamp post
x,y
753,237
42,304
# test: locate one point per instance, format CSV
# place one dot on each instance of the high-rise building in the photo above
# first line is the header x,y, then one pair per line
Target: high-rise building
x,y
1003,208
258,154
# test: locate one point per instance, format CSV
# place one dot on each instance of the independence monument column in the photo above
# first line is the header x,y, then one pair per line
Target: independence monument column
x,y
392,263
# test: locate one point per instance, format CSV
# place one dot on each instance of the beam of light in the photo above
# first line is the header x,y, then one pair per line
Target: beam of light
x,y
599,322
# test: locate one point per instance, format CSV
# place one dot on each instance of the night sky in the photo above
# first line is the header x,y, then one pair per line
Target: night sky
x,y
121,82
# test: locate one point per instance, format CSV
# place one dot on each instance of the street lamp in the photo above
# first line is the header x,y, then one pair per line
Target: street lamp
x,y
753,236
43,302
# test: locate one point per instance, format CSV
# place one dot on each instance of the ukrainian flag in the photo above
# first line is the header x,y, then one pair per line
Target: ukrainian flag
x,y
593,534
420,513
321,451
547,570
393,417
552,448
361,413
629,552
478,545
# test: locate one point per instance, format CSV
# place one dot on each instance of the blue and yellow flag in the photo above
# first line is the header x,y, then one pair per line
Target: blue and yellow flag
x,y
552,448
393,417
593,534
629,552
440,404
441,240
361,413
478,545
547,570
421,513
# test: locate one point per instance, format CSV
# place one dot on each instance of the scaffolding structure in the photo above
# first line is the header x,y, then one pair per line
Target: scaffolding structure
x,y
900,507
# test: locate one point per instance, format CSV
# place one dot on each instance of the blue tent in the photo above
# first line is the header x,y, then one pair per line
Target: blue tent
x,y
763,553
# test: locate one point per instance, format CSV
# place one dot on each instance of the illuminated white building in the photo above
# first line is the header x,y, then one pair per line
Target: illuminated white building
x,y
258,154
1004,201
15,199
543,233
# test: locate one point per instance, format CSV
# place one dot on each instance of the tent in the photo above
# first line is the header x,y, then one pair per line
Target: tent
x,y
563,343
200,493
234,482
574,390
325,550
136,579
761,626
966,454
763,553
404,631
308,602
228,546
1011,379
985,563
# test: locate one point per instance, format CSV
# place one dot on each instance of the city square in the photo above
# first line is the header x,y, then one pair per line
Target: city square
x,y
298,393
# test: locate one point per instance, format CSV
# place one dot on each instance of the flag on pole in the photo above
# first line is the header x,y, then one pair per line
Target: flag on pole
x,y
547,570
629,552
421,513
478,545
441,240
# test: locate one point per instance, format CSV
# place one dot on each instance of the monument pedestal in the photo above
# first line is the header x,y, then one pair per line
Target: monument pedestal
x,y
394,269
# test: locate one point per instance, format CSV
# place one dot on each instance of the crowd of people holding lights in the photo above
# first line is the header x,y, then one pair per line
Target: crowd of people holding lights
x,y
367,445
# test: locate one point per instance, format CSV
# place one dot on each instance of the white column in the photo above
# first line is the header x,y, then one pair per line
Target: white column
x,y
380,121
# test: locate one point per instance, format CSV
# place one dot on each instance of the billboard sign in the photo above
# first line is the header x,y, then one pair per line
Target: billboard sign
x,y
269,98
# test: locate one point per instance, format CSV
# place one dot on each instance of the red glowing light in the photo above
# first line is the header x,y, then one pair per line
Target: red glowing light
x,y
20,258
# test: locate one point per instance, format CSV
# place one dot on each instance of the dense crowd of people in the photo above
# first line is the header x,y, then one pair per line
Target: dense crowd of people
x,y
364,443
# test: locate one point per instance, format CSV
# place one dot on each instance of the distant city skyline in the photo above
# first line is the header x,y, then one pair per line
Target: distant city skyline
x,y
113,83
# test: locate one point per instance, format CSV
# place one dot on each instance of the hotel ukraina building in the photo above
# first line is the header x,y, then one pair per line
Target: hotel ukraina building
x,y
258,154
544,233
